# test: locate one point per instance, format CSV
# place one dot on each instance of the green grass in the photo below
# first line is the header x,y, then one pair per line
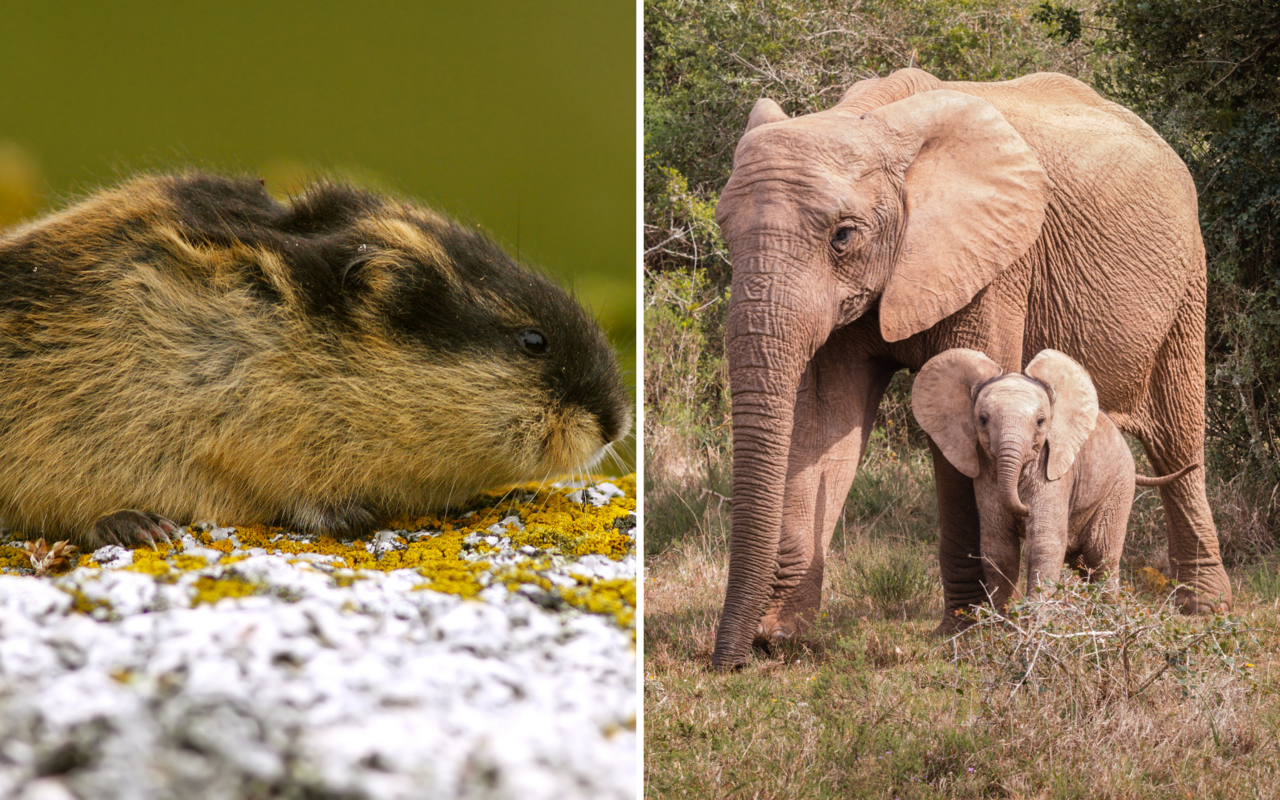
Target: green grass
x,y
676,511
1264,582
894,579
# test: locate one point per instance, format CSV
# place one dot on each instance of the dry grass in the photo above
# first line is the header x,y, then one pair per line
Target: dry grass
x,y
869,703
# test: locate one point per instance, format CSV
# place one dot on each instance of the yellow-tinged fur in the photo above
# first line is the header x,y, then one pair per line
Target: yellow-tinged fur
x,y
166,384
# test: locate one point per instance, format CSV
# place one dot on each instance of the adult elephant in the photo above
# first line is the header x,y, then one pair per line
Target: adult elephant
x,y
919,215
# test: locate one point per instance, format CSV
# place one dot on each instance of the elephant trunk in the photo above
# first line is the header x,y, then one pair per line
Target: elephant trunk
x,y
1009,463
767,355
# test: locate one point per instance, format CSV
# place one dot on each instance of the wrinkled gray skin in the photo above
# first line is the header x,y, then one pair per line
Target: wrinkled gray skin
x,y
917,216
1048,467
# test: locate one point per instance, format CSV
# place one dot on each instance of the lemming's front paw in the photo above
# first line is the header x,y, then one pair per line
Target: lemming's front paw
x,y
131,528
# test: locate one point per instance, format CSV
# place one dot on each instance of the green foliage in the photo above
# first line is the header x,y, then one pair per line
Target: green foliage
x,y
1264,580
1204,75
896,580
685,386
686,408
677,511
683,226
1064,21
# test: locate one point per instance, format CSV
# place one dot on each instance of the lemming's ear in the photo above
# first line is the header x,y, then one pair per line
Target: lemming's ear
x,y
975,202
942,401
1075,407
764,112
368,272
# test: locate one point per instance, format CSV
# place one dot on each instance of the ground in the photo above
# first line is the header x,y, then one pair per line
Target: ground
x,y
1088,696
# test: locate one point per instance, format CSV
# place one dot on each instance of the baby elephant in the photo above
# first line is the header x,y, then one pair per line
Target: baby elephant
x,y
1036,436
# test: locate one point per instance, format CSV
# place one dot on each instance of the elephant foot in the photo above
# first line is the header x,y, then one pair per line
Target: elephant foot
x,y
1190,601
1203,591
777,627
769,635
773,631
954,620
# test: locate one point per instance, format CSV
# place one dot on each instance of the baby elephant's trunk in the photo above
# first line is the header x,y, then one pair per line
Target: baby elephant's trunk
x,y
1008,469
1142,480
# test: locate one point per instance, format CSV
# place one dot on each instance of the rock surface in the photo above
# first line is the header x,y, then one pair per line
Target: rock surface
x,y
484,656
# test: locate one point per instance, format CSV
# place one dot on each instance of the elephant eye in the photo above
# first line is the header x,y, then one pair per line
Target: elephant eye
x,y
842,238
1040,422
982,420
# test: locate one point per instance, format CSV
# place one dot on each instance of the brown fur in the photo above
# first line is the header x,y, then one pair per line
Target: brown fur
x,y
190,366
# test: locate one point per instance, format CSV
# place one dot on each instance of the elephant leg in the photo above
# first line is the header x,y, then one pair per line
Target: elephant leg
x,y
959,546
1104,538
1001,559
835,409
1046,540
1194,556
1173,437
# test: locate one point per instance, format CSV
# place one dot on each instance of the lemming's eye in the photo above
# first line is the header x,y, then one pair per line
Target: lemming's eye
x,y
532,340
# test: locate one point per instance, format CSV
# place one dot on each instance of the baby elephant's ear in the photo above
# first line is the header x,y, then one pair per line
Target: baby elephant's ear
x,y
942,400
1075,407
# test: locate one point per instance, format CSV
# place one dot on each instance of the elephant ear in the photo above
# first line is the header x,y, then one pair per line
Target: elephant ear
x,y
975,202
876,92
942,401
1075,407
764,112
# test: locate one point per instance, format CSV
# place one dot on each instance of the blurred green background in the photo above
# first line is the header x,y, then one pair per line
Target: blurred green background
x,y
515,116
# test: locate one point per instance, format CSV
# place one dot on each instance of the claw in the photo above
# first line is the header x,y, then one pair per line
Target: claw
x,y
132,528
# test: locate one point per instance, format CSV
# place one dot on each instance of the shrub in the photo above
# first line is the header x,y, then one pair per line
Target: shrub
x,y
1098,649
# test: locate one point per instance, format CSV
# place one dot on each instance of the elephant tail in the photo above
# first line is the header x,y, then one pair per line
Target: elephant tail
x,y
1143,480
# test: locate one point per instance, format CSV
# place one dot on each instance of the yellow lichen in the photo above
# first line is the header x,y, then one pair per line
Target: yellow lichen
x,y
211,590
187,563
14,558
612,729
151,562
616,598
81,603
515,578
462,588
550,522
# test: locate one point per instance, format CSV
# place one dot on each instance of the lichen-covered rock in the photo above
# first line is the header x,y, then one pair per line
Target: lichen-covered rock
x,y
490,654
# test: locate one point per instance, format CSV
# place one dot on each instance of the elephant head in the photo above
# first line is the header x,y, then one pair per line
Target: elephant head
x,y
911,209
961,400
